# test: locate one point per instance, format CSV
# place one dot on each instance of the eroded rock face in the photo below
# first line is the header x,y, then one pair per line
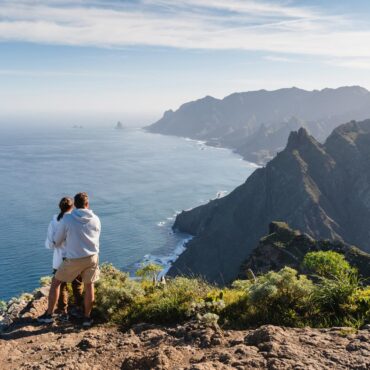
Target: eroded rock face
x,y
321,189
308,348
191,346
24,307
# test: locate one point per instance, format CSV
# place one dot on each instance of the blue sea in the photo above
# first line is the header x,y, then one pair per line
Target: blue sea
x,y
137,183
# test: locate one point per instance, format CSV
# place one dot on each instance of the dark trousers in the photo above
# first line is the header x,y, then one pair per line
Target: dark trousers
x,y
77,290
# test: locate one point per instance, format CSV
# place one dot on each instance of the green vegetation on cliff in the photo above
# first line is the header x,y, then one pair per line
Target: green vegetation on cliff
x,y
284,246
330,294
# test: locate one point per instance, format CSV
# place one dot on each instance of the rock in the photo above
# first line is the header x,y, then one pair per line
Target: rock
x,y
235,342
157,359
119,126
225,358
264,334
216,341
87,344
43,292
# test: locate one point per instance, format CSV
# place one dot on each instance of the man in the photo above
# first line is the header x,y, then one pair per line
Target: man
x,y
80,231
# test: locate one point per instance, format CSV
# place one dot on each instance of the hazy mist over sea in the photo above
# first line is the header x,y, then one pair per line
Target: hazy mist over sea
x,y
52,120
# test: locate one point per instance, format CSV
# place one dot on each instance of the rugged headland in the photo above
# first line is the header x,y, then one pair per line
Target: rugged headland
x,y
320,189
284,246
257,124
190,346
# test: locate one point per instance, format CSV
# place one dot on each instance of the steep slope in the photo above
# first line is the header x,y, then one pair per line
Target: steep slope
x,y
322,190
284,246
243,121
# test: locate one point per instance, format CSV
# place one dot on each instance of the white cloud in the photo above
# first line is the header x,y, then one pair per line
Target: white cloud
x,y
256,8
58,73
272,27
354,63
274,58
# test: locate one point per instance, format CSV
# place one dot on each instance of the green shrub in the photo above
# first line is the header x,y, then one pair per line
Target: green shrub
x,y
360,301
170,303
115,291
122,300
334,299
235,313
327,264
3,307
242,285
209,319
337,290
281,298
149,272
45,281
26,297
208,308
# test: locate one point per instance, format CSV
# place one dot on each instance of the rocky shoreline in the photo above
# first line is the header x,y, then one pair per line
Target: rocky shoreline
x,y
191,346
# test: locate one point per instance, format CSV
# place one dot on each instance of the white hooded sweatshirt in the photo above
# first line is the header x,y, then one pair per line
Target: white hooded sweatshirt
x,y
80,231
59,253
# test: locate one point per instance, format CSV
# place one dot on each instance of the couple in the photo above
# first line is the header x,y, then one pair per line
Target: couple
x,y
74,236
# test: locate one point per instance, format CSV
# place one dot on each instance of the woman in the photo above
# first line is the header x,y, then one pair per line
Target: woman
x,y
65,206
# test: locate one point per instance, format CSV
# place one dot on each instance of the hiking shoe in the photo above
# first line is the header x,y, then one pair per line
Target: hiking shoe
x,y
87,322
45,319
63,317
76,313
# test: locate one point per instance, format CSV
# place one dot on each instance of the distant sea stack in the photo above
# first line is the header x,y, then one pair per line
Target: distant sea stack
x,y
257,124
321,189
119,126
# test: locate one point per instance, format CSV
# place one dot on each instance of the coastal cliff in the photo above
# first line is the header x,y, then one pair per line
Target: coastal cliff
x,y
321,189
256,124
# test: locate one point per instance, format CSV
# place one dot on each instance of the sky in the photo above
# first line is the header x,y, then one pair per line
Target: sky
x,y
126,58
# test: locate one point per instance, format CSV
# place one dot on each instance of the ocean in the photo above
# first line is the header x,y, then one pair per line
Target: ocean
x,y
137,183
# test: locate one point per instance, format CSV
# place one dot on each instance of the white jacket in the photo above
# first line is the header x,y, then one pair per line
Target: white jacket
x,y
59,252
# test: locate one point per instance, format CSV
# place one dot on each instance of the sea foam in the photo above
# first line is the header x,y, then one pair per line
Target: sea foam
x,y
166,261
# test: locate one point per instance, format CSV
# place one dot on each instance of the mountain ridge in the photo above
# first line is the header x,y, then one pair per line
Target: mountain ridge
x,y
256,124
321,189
